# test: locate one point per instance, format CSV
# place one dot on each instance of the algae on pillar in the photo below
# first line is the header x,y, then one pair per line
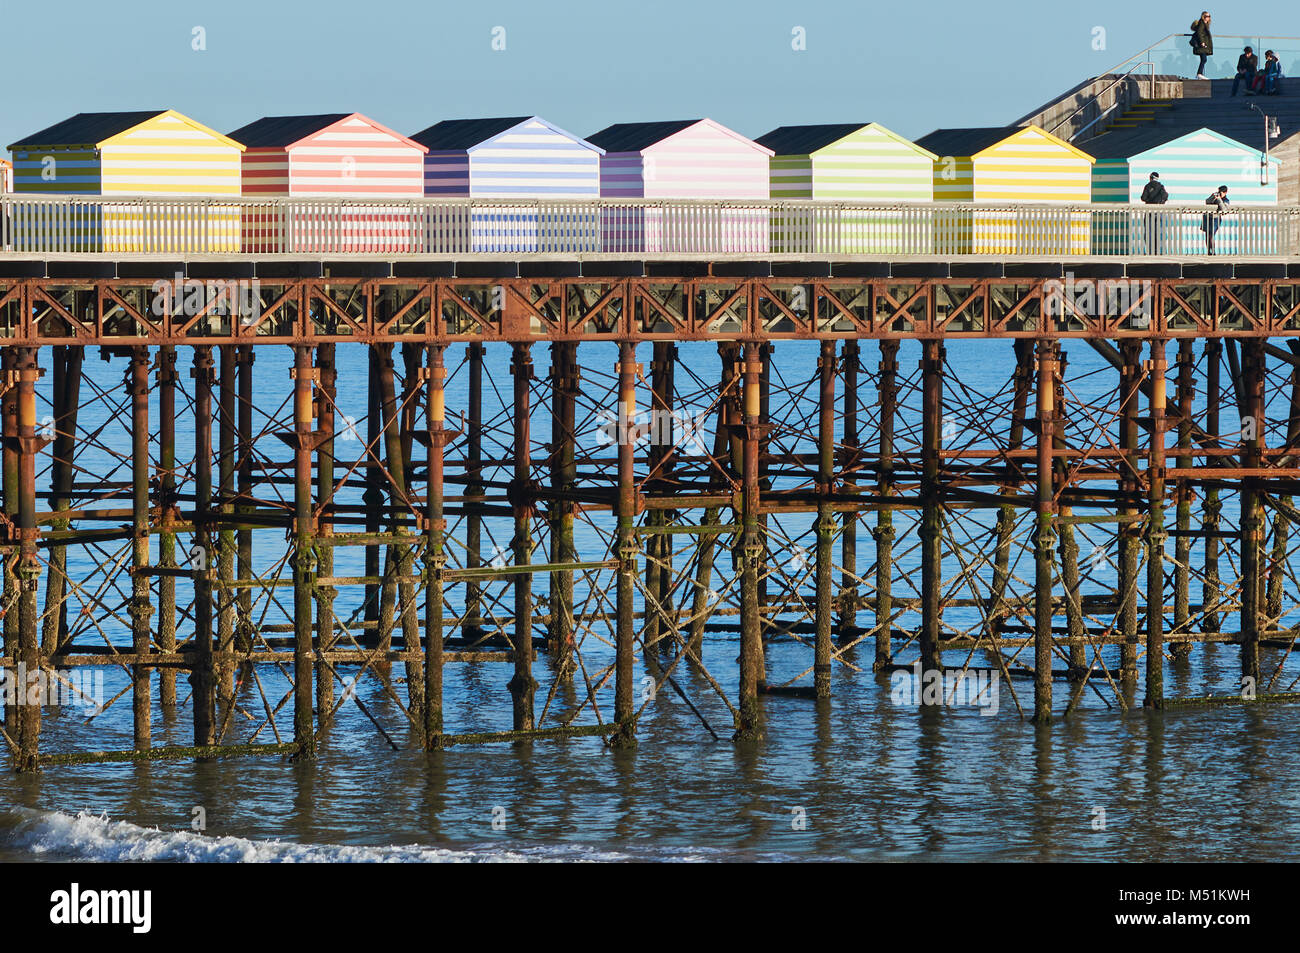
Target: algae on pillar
x,y
1155,594
884,531
141,610
523,687
931,504
435,558
624,735
825,525
1044,536
752,678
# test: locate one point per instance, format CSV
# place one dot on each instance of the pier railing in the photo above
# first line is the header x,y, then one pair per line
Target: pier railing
x,y
156,226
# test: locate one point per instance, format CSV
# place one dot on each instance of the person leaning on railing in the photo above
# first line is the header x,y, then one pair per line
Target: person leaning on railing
x,y
1211,221
1202,42
1247,63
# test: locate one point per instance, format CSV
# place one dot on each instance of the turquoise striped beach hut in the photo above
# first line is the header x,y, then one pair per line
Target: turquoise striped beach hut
x,y
848,164
1190,165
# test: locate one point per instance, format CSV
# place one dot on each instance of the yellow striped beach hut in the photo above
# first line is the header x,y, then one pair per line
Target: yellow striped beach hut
x,y
155,153
1010,166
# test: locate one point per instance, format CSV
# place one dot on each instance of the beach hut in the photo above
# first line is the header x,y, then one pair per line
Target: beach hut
x,y
849,164
684,159
149,153
527,169
345,160
1191,165
6,175
1010,166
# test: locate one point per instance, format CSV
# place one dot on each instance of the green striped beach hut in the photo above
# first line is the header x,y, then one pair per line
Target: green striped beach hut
x,y
851,165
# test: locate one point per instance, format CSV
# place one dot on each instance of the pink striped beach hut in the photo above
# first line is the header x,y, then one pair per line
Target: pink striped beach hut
x,y
346,160
720,178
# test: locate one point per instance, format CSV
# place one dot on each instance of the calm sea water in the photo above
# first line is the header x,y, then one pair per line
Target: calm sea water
x,y
860,776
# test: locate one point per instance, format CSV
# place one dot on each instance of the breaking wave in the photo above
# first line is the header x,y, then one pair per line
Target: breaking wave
x,y
56,836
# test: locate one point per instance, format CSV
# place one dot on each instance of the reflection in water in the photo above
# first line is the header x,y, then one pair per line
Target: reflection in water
x,y
866,779
858,776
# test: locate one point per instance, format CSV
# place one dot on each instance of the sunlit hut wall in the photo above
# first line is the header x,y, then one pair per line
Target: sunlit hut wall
x,y
531,173
1191,166
851,165
1010,166
6,175
347,162
687,159
155,153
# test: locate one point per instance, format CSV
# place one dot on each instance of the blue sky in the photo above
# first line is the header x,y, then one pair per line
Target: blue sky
x,y
913,66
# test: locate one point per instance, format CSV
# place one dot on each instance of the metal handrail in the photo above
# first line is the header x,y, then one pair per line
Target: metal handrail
x,y
1146,53
1220,36
1096,96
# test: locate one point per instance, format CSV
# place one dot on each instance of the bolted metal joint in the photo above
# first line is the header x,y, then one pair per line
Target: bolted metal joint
x,y
140,609
304,561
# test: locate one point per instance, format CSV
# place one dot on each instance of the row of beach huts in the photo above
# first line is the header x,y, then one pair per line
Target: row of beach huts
x,y
524,159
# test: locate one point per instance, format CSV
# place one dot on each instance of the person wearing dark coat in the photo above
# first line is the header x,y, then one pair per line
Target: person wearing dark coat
x,y
1247,63
1202,42
1211,221
1153,194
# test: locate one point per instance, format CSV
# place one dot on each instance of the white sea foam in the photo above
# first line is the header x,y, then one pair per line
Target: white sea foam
x,y
51,835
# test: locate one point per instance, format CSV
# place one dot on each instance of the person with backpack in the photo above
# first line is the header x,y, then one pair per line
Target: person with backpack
x,y
1202,42
1211,221
1247,63
1272,73
1153,193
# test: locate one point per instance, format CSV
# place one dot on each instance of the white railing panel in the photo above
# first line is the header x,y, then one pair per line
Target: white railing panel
x,y
75,225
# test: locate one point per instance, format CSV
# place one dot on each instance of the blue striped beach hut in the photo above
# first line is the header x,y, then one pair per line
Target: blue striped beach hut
x,y
1191,165
518,159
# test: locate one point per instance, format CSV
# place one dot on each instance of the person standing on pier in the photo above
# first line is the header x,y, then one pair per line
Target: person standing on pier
x,y
1153,194
1211,221
1202,42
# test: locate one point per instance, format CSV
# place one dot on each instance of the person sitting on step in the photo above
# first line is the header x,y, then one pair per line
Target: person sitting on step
x,y
1272,74
1247,63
